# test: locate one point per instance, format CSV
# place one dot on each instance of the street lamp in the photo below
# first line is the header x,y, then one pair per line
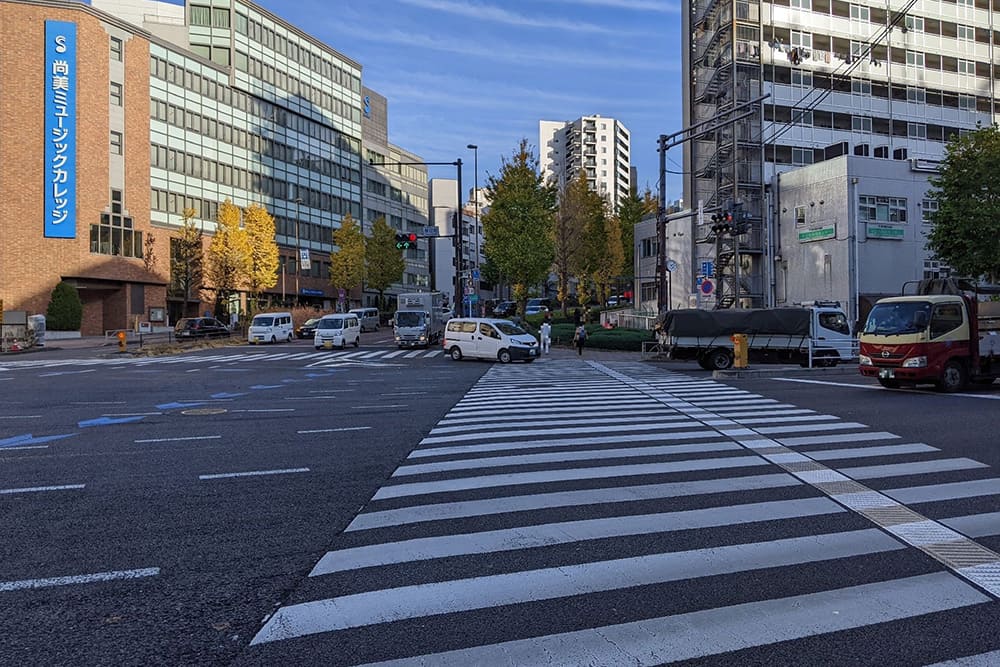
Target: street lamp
x,y
298,250
475,194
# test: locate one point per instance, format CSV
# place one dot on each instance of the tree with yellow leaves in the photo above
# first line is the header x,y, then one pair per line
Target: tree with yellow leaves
x,y
347,264
228,256
263,269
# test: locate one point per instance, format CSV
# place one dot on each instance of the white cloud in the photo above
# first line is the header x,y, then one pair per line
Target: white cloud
x,y
495,14
660,6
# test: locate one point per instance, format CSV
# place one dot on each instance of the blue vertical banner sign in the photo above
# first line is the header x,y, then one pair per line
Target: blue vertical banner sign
x,y
60,129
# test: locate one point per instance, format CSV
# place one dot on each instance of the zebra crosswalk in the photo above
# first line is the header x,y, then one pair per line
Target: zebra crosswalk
x,y
612,514
324,358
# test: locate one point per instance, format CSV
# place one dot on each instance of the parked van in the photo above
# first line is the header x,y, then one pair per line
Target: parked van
x,y
487,338
337,331
270,328
368,318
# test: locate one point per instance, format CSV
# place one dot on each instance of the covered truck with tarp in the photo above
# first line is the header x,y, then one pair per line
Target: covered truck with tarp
x,y
815,335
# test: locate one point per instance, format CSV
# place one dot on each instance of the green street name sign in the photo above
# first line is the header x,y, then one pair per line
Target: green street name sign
x,y
808,235
879,231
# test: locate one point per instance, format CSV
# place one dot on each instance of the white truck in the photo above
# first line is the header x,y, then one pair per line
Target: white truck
x,y
818,335
419,319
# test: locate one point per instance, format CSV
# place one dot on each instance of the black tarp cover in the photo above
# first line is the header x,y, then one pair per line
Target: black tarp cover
x,y
695,322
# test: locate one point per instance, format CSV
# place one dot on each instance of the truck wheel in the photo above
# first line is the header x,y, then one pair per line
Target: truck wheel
x,y
456,353
719,359
953,378
889,384
504,356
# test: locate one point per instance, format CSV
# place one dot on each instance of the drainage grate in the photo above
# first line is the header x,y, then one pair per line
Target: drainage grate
x,y
962,554
897,515
842,488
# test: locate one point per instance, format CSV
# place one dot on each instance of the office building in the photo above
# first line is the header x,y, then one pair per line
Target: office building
x,y
596,145
862,79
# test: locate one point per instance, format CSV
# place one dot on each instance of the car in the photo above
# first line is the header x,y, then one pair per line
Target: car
x,y
535,310
488,338
307,329
200,327
337,331
505,309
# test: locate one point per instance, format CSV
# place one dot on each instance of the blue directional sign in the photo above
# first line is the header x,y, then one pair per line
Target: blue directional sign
x,y
107,421
28,439
708,268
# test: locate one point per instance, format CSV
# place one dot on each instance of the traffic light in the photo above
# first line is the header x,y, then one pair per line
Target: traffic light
x,y
722,223
406,240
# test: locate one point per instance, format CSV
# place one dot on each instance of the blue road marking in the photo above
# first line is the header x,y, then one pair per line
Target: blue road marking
x,y
175,405
224,394
267,386
106,421
28,439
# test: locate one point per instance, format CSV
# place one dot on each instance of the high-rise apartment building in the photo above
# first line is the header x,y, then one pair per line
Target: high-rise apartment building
x,y
596,145
886,80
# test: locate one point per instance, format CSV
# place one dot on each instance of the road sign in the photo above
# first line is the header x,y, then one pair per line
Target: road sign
x,y
707,286
701,212
429,231
475,274
671,265
341,294
304,259
707,268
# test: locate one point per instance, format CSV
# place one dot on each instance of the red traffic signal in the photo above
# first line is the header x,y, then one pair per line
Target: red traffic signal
x,y
412,237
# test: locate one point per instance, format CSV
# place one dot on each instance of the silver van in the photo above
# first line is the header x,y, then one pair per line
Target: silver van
x,y
368,318
488,338
270,328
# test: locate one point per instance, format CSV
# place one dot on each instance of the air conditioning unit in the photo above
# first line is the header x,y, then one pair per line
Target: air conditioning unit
x,y
924,164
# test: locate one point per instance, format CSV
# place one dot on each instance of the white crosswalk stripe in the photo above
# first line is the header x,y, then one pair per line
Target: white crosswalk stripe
x,y
629,488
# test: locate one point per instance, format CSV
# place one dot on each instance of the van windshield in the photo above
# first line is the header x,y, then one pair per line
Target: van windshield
x,y
509,328
332,323
409,319
887,319
261,321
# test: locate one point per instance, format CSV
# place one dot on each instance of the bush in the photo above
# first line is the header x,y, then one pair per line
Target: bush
x,y
601,338
65,311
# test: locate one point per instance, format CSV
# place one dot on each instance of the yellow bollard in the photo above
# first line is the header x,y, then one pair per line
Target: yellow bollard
x,y
740,352
121,341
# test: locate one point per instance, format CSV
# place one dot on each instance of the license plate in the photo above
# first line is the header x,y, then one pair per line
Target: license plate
x,y
886,373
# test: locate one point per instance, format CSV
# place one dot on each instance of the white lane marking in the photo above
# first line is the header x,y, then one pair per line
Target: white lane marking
x,y
130,414
837,426
253,473
780,420
867,452
543,501
488,435
975,525
394,354
979,660
6,586
570,474
21,417
433,353
371,355
179,439
990,397
193,370
610,422
305,398
334,430
544,535
8,449
598,415
411,355
918,468
561,442
406,393
39,489
329,391
267,410
45,375
691,635
97,402
484,592
830,439
558,457
379,405
912,495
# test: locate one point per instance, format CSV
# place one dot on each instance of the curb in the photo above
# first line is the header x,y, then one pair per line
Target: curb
x,y
750,373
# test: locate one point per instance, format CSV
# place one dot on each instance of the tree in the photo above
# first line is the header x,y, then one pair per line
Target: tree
x,y
65,311
347,265
263,269
630,212
602,254
186,257
384,264
576,203
518,224
966,225
228,256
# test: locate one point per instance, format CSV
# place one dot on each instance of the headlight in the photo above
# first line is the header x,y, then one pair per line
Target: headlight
x,y
423,338
865,361
915,362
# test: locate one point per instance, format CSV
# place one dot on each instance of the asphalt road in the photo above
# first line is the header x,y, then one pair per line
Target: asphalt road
x,y
572,511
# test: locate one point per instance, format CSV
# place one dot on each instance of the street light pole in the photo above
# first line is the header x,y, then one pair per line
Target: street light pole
x,y
298,250
475,194
459,292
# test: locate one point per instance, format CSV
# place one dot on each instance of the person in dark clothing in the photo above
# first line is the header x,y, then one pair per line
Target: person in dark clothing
x,y
576,317
579,338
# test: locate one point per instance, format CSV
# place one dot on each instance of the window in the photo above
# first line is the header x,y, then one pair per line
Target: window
x,y
967,102
928,207
881,209
858,49
802,156
916,130
802,78
915,58
966,33
116,143
861,124
835,322
803,118
966,66
946,317
859,13
220,17
861,87
201,15
914,94
116,49
801,39
114,235
801,4
915,23
800,216
116,94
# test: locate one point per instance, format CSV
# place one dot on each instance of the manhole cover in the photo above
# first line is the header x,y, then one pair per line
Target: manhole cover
x,y
203,411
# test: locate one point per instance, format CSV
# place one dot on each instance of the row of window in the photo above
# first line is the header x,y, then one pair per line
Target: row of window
x,y
275,41
857,123
197,166
874,208
395,221
859,12
178,75
408,171
230,134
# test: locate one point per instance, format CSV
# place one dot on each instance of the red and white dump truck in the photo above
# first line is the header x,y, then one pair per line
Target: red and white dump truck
x,y
944,332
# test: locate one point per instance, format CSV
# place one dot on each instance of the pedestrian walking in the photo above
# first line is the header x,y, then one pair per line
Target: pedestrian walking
x,y
579,338
546,336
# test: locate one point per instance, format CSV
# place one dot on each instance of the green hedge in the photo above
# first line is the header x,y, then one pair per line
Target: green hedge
x,y
601,338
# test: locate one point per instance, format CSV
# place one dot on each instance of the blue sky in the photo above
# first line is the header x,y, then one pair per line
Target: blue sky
x,y
484,72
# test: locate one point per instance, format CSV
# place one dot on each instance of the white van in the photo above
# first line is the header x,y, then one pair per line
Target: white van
x,y
368,318
337,331
270,328
486,338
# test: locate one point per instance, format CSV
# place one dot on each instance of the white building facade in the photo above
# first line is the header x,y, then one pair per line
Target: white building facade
x,y
597,145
